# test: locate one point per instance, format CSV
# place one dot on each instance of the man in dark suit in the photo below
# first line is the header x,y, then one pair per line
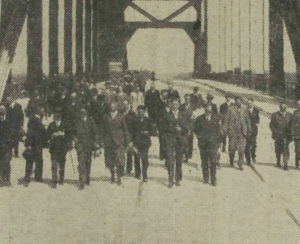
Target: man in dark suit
x,y
209,136
281,127
116,142
34,143
87,140
142,142
209,101
153,103
130,117
35,102
223,111
188,109
15,116
97,107
250,152
71,111
172,94
296,134
5,148
175,130
196,98
58,147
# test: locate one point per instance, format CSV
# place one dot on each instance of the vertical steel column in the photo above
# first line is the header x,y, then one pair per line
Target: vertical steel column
x,y
68,36
88,36
95,38
34,43
53,37
79,37
277,85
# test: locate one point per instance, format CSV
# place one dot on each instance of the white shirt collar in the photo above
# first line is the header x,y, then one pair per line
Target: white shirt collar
x,y
114,114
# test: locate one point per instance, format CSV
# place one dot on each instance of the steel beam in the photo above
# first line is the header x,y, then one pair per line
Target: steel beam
x,y
142,12
160,24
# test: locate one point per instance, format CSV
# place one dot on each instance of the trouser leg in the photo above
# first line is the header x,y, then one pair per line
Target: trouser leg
x,y
204,164
253,148
137,165
248,151
129,162
213,165
286,153
231,157
178,164
170,163
232,149
145,163
162,147
54,166
82,168
1,173
224,143
241,159
5,170
120,161
28,170
190,146
88,168
16,148
38,164
62,164
112,173
278,151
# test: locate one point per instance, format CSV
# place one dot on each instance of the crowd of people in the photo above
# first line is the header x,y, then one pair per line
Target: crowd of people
x,y
120,118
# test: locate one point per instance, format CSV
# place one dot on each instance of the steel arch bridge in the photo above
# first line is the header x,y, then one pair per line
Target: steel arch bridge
x,y
106,33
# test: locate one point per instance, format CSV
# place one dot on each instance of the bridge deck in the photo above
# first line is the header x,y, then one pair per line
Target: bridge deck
x,y
258,205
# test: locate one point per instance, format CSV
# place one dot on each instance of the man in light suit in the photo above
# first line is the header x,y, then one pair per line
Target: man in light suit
x,y
237,126
116,142
188,109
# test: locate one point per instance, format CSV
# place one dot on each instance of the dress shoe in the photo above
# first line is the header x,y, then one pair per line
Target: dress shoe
x,y
285,167
81,187
213,184
170,185
177,183
145,180
40,180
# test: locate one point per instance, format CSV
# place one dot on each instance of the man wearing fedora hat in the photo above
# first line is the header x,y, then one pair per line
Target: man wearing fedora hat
x,y
58,147
209,102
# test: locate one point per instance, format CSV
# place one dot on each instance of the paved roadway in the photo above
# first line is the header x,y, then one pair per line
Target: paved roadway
x,y
258,205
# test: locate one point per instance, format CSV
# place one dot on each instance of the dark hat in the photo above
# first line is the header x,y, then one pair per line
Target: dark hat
x,y
58,110
209,96
94,91
141,107
2,110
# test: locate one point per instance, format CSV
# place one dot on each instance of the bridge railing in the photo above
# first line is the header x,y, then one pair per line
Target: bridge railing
x,y
255,81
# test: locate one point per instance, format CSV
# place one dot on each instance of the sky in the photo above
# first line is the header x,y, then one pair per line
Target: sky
x,y
171,50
